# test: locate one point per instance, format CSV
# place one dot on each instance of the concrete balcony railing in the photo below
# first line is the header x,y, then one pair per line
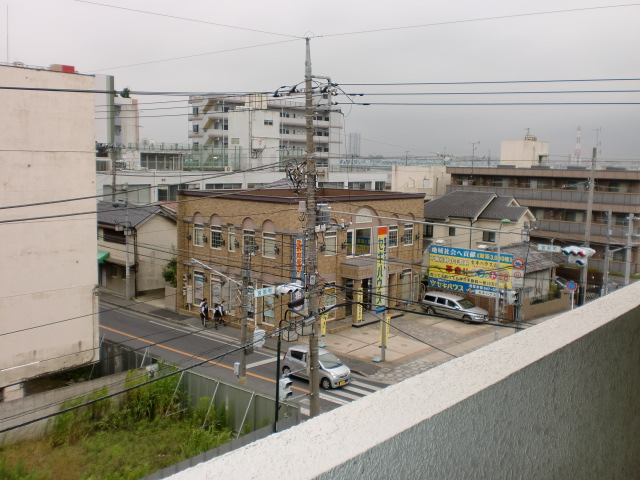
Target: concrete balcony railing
x,y
556,401
532,195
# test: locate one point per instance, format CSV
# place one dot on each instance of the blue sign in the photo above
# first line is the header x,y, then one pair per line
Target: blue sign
x,y
571,285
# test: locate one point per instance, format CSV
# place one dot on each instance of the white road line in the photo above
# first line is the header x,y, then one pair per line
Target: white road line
x,y
375,388
341,393
262,362
331,398
352,388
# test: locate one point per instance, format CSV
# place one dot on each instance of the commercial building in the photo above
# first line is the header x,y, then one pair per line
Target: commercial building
x,y
48,306
216,228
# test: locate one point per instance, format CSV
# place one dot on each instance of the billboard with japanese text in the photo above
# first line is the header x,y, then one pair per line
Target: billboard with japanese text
x,y
468,271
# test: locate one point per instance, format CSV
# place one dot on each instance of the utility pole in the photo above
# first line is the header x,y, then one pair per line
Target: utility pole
x,y
587,228
607,252
311,259
627,253
247,250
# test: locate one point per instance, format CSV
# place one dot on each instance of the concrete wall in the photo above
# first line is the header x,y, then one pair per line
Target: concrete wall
x,y
556,401
32,407
432,181
48,313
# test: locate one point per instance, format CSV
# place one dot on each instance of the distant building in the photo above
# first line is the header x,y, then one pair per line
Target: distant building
x,y
214,228
48,306
140,238
559,199
524,153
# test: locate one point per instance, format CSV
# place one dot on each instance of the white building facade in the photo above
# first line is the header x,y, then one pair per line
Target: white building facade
x,y
48,306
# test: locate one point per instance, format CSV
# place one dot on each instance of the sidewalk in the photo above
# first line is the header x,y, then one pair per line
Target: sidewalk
x,y
415,342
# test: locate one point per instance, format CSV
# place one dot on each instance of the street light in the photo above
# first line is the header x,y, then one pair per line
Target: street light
x,y
496,313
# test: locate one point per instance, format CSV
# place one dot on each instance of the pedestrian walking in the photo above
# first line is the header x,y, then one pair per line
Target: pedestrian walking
x,y
217,315
204,312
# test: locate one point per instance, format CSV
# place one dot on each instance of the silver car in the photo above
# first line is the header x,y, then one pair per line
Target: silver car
x,y
333,373
453,306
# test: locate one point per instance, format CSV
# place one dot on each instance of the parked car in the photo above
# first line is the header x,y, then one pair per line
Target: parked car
x,y
454,306
333,373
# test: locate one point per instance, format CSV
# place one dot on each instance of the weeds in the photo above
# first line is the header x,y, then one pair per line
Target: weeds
x,y
97,441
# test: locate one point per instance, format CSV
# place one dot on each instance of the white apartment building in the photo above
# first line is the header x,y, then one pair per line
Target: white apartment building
x,y
48,306
244,132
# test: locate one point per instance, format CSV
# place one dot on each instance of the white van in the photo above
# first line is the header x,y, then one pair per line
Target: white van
x,y
454,306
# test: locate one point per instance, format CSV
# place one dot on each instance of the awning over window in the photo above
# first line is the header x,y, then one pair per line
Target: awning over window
x,y
102,256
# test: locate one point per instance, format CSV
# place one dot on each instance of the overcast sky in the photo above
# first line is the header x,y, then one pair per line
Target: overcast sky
x,y
248,45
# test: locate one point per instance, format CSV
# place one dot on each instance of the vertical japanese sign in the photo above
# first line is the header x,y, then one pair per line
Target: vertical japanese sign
x,y
358,299
380,288
297,274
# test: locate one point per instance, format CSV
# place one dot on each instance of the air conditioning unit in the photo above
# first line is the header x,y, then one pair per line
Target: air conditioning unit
x,y
228,169
322,171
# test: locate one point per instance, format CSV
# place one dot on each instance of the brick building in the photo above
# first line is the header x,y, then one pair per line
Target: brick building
x,y
214,227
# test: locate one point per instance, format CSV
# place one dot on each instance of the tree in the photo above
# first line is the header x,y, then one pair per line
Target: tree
x,y
169,272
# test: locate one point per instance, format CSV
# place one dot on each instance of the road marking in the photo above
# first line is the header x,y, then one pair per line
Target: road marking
x,y
331,398
364,391
262,362
342,393
180,352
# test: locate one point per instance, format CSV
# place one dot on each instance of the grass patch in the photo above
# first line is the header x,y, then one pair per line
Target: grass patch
x,y
148,429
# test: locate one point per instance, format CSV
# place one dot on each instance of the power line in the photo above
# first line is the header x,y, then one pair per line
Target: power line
x,y
495,82
483,19
235,27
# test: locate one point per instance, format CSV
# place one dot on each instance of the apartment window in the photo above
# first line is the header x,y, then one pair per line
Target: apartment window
x,y
196,110
408,234
500,182
268,122
393,236
489,237
269,245
363,241
284,131
216,237
231,239
380,186
249,241
196,128
452,231
255,185
427,231
331,184
574,216
113,270
222,186
198,234
619,256
359,186
330,243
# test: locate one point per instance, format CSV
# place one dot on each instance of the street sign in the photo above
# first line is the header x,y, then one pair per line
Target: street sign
x,y
549,248
261,292
517,280
518,263
571,285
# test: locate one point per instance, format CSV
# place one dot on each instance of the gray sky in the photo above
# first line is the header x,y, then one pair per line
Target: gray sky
x,y
453,41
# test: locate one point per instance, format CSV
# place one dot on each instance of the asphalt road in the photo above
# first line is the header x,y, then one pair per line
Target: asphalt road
x,y
184,345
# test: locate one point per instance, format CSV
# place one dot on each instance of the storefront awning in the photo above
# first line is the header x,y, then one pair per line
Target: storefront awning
x,y
102,256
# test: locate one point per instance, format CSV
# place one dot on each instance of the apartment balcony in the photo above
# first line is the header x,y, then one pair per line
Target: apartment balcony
x,y
560,198
555,401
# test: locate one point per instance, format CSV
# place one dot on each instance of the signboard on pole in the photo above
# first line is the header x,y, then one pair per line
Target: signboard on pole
x,y
469,271
380,288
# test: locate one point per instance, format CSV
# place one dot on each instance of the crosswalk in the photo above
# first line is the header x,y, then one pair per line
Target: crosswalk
x,y
353,391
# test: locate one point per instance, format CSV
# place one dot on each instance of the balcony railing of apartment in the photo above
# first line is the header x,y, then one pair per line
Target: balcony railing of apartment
x,y
556,195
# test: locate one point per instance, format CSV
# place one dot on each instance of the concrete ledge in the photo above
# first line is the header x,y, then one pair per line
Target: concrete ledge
x,y
558,400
